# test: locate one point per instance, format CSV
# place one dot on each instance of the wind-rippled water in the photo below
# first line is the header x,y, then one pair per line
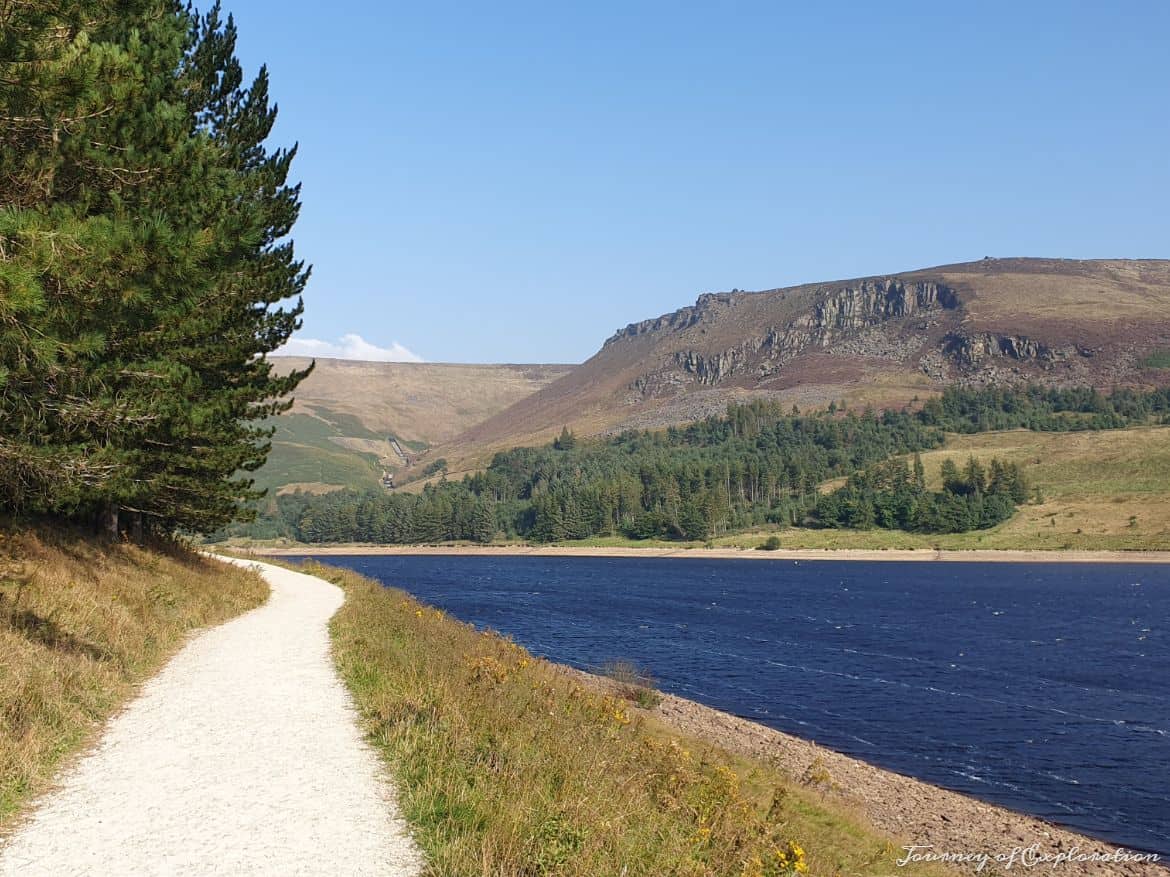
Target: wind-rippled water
x,y
1043,688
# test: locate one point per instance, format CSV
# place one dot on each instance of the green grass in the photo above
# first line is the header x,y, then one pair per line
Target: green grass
x,y
505,765
1157,359
415,446
634,683
318,427
304,452
290,463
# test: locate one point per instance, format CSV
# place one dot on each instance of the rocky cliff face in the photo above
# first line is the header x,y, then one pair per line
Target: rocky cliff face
x,y
704,308
991,358
972,349
920,324
835,314
874,301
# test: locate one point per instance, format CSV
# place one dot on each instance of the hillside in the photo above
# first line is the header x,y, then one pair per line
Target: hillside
x,y
339,430
874,340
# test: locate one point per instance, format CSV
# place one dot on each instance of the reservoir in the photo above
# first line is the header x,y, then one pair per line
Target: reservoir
x,y
1044,688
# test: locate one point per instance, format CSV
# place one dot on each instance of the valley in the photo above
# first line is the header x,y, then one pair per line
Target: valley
x,y
340,430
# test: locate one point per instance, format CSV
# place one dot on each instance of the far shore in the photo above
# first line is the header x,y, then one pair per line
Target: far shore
x,y
790,554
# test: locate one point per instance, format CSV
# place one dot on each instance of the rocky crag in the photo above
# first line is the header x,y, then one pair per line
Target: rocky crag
x,y
878,341
918,324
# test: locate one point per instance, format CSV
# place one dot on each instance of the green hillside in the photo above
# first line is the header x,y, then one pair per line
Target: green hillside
x,y
315,452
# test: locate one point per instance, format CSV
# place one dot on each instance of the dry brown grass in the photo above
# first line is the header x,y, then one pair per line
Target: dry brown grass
x,y
428,402
1039,290
81,624
317,488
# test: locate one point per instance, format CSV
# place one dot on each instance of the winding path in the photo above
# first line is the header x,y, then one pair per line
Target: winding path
x,y
242,757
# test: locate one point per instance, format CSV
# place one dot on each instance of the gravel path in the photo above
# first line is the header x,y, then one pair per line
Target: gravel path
x,y
243,756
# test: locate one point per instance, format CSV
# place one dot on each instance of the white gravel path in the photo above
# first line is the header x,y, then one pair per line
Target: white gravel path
x,y
242,757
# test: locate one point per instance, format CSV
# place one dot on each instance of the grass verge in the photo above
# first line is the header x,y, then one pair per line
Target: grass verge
x,y
81,624
507,766
633,683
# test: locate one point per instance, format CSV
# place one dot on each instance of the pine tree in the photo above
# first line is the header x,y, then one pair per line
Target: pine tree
x,y
483,523
73,76
974,475
952,482
220,336
142,260
566,441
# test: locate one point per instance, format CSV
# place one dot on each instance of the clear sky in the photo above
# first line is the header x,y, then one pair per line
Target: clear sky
x,y
512,182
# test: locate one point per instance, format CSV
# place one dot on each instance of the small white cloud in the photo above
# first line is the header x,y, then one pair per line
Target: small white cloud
x,y
351,346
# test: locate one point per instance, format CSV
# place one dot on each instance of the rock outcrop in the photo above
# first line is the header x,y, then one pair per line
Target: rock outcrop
x,y
836,313
680,320
874,301
969,350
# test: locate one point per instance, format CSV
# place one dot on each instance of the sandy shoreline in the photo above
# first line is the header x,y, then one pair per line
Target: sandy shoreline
x,y
910,810
797,554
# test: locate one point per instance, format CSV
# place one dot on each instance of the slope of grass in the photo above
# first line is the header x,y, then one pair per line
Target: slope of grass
x,y
81,624
318,427
505,765
305,451
420,403
291,464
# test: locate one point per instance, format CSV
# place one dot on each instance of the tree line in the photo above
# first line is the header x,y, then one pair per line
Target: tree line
x,y
145,269
1044,409
758,464
891,496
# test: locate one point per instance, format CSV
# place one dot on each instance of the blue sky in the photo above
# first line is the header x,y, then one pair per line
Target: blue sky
x,y
512,182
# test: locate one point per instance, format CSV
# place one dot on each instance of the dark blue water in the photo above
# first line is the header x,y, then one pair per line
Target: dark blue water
x,y
1043,688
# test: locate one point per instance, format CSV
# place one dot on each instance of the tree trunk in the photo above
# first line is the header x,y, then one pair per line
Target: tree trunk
x,y
110,520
